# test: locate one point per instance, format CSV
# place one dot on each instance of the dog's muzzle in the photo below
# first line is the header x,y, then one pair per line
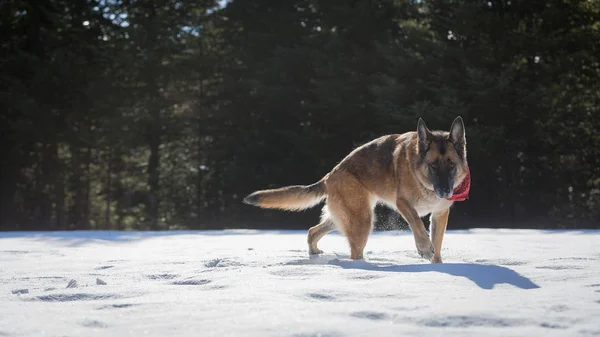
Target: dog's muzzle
x,y
443,193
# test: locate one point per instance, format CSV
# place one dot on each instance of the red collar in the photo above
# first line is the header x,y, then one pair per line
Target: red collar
x,y
461,193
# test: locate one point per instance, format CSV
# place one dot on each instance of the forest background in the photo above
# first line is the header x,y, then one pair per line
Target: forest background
x,y
130,114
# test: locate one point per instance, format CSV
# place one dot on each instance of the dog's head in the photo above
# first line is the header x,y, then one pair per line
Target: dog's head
x,y
441,157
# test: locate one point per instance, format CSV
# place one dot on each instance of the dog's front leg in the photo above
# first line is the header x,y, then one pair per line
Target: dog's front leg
x,y
439,221
424,245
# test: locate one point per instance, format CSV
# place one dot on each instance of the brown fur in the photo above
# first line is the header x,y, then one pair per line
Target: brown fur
x,y
398,170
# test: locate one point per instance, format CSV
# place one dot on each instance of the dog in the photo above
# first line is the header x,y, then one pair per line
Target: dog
x,y
417,173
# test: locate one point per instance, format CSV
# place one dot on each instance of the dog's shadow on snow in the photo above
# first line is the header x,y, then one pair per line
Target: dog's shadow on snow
x,y
486,276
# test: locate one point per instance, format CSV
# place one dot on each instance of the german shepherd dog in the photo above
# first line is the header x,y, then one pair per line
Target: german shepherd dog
x,y
417,173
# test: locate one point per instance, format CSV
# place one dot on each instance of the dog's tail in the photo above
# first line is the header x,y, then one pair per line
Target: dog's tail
x,y
291,198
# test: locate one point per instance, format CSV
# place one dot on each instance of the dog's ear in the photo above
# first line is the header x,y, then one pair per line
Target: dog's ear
x,y
457,131
424,136
457,135
422,131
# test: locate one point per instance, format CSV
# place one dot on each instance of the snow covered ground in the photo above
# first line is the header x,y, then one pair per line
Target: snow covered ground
x,y
262,283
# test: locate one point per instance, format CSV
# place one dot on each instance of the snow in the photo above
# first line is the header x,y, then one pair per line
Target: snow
x,y
262,283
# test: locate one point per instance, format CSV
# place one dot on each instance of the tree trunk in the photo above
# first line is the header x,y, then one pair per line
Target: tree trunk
x,y
153,175
44,187
74,187
80,186
155,121
85,205
200,177
108,189
59,189
9,173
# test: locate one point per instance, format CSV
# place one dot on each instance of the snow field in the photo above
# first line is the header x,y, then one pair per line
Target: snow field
x,y
263,283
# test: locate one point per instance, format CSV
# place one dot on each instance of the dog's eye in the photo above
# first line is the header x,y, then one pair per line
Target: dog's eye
x,y
451,165
432,170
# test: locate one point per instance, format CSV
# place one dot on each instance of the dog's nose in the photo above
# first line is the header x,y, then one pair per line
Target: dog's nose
x,y
443,193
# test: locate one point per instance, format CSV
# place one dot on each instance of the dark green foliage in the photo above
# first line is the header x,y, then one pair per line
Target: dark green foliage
x,y
154,115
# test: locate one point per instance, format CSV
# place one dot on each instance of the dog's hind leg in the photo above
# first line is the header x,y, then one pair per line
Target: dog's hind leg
x,y
316,233
351,209
358,224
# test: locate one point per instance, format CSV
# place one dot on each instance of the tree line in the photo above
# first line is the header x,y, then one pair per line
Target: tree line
x,y
131,114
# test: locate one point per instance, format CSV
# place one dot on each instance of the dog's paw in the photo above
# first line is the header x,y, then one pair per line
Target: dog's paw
x,y
426,251
437,259
314,251
427,255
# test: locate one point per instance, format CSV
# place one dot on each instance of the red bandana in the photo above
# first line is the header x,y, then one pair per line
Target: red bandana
x,y
461,193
